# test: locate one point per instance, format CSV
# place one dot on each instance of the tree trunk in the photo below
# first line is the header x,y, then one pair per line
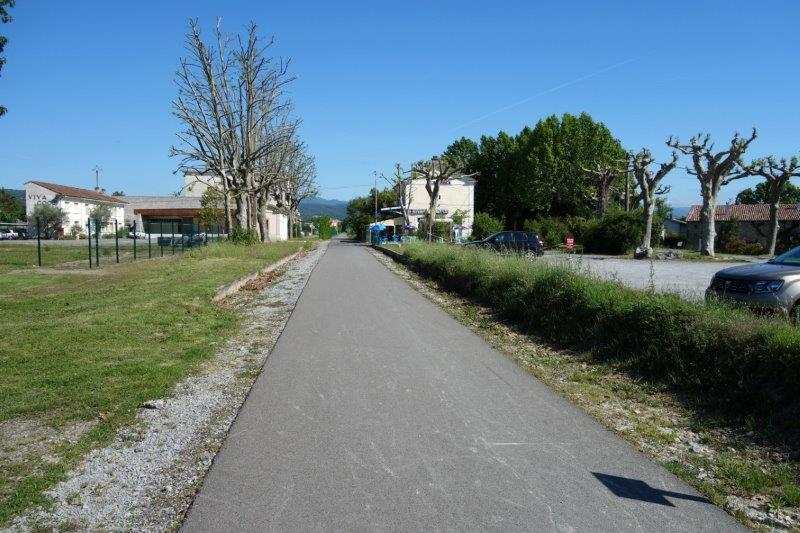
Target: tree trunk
x,y
602,200
263,218
241,212
431,218
290,224
649,210
707,224
774,226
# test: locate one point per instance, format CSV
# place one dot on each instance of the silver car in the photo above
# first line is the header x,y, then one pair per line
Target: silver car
x,y
774,285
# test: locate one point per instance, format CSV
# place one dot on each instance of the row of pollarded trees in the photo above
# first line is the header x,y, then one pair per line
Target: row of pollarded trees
x,y
713,169
239,133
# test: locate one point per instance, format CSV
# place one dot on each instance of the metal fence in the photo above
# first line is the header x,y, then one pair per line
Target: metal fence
x,y
145,244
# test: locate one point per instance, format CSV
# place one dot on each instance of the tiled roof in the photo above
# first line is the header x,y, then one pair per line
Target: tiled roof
x,y
75,192
747,212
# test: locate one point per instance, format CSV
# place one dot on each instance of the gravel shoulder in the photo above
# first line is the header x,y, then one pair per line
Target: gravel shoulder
x,y
147,478
688,279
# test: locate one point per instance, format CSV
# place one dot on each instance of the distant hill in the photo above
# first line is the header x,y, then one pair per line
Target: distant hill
x,y
679,211
19,194
320,206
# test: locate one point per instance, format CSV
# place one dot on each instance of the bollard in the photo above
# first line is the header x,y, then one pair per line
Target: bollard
x,y
39,240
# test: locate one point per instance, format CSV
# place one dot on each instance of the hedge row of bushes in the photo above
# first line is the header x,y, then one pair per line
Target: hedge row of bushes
x,y
737,361
617,232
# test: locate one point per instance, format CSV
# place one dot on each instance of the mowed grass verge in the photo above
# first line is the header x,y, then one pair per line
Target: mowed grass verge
x,y
84,349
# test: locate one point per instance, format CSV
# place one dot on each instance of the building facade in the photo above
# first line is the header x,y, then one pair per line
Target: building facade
x,y
179,213
456,195
77,203
752,222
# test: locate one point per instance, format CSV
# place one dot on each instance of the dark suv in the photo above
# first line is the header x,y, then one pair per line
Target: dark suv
x,y
516,241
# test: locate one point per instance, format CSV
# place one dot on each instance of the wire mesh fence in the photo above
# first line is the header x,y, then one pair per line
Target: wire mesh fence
x,y
96,246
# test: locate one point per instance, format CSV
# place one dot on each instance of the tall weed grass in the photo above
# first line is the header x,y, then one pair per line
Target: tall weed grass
x,y
745,364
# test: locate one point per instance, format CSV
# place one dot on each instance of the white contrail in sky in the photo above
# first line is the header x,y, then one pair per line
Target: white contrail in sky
x,y
546,91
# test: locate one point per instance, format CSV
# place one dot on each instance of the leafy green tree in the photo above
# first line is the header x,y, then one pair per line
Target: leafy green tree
x,y
360,211
11,209
212,212
464,154
760,194
538,173
323,226
101,213
51,219
5,17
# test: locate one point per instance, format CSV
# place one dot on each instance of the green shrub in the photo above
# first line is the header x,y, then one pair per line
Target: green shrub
x,y
553,231
323,225
485,225
243,236
730,358
442,229
618,232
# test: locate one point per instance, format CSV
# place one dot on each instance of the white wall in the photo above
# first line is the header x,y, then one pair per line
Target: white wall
x,y
77,209
455,195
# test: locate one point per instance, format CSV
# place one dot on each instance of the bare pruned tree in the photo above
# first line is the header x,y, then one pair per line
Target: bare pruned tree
x,y
232,104
649,186
603,176
300,183
401,185
435,171
713,171
777,174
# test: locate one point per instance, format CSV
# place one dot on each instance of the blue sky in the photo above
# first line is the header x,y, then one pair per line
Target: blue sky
x,y
90,82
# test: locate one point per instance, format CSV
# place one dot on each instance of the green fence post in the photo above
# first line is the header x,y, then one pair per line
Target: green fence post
x,y
116,239
89,235
39,240
134,240
97,242
172,228
149,244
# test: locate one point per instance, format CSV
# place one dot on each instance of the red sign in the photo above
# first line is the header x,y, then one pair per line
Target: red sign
x,y
570,243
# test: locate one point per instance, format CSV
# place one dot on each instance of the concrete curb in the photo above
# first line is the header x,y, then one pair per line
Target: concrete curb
x,y
226,290
397,256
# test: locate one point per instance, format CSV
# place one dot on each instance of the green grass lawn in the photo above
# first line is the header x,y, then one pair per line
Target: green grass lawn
x,y
17,255
92,346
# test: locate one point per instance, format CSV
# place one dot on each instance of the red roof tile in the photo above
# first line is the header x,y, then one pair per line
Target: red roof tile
x,y
75,192
747,212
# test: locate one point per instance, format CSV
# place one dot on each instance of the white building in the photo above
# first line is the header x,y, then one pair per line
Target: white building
x,y
195,184
75,202
455,195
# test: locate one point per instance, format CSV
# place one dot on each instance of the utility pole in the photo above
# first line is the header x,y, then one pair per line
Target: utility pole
x,y
627,190
97,171
375,190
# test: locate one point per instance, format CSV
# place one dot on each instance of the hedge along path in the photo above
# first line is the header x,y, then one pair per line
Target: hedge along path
x,y
729,359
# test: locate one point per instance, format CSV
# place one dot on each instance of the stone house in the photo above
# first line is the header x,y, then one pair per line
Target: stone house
x,y
752,221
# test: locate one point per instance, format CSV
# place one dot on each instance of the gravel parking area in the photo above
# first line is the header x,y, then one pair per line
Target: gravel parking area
x,y
686,278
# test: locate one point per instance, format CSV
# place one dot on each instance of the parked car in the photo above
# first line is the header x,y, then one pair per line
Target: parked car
x,y
8,235
774,285
517,241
